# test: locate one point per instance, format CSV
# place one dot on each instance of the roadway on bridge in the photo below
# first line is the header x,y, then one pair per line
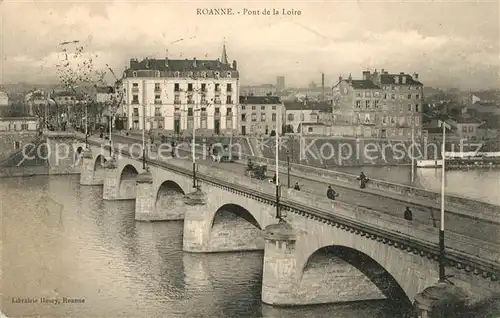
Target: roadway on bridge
x,y
478,229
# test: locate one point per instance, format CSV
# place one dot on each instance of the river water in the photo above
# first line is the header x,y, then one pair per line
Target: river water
x,y
62,240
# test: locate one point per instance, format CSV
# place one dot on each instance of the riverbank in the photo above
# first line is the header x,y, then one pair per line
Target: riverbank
x,y
13,172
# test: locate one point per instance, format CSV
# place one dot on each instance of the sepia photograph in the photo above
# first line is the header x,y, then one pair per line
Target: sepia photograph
x,y
275,159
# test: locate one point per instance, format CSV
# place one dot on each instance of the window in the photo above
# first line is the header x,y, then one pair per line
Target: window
x,y
229,74
203,74
157,87
409,107
376,104
136,112
302,117
177,87
135,99
409,96
177,74
229,111
157,73
393,120
216,74
25,127
229,100
254,117
243,117
203,123
262,107
135,84
385,96
367,94
290,117
367,104
135,125
253,107
190,99
203,109
376,94
262,117
416,107
394,108
177,100
274,107
243,107
190,87
217,87
217,110
134,74
417,96
203,87
309,129
393,96
359,94
191,74
203,99
273,116
358,104
384,120
190,111
157,99
157,111
464,128
471,128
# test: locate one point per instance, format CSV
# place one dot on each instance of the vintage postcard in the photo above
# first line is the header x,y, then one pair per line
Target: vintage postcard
x,y
250,158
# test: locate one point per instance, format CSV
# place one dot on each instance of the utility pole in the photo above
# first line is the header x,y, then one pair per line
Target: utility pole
x,y
278,212
442,275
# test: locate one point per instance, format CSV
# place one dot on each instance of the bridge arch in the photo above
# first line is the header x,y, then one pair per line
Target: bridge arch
x,y
234,227
99,162
169,200
126,181
339,267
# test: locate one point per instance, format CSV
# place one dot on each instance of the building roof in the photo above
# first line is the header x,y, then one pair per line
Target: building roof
x,y
390,79
308,106
260,100
487,95
466,120
105,89
3,95
363,84
178,65
312,124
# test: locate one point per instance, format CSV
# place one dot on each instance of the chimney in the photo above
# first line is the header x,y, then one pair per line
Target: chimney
x,y
194,61
401,73
235,65
415,75
133,62
166,61
349,79
322,86
340,78
366,75
147,62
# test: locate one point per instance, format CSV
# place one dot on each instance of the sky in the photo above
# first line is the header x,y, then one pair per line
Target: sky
x,y
450,44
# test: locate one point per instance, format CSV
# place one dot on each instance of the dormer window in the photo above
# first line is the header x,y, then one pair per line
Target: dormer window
x,y
191,74
177,74
203,74
134,74
229,74
157,73
217,74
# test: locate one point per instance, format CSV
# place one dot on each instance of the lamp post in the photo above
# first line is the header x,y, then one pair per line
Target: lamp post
x,y
143,136
442,276
193,151
86,126
288,166
278,212
412,150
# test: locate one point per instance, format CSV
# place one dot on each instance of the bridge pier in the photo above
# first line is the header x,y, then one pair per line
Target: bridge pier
x,y
89,174
440,300
197,222
110,184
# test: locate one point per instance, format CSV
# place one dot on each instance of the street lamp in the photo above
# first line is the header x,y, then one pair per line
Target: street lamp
x,y
143,135
288,166
442,276
278,211
412,149
86,126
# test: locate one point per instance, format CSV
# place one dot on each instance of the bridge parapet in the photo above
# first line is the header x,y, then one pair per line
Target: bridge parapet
x,y
483,210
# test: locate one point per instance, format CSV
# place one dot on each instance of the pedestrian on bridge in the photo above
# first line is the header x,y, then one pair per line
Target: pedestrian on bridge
x,y
363,180
408,214
296,186
331,194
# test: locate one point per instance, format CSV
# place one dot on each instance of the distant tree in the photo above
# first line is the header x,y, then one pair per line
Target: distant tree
x,y
79,75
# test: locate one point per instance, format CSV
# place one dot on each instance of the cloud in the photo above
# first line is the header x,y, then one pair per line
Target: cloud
x,y
335,38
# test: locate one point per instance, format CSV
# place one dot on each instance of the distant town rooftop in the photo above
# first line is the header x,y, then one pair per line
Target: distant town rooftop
x,y
308,105
260,100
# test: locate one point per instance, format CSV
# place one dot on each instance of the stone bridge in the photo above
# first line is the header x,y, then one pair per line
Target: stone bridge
x,y
324,252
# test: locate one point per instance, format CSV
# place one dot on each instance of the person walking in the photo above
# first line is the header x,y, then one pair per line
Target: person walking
x,y
363,180
296,186
331,194
408,215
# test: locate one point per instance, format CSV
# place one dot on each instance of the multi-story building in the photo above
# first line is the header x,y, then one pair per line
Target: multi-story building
x,y
4,103
177,95
280,83
381,105
259,114
298,113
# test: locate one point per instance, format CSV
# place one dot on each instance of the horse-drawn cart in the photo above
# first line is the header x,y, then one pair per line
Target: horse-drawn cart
x,y
257,171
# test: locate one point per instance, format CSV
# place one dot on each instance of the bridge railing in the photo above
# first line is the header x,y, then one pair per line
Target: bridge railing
x,y
460,249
